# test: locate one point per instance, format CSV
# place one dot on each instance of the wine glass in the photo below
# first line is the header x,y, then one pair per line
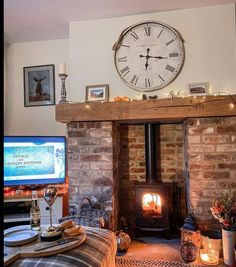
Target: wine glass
x,y
50,195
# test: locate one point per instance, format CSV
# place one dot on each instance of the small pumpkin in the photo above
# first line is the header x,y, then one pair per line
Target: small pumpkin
x,y
122,240
125,98
117,99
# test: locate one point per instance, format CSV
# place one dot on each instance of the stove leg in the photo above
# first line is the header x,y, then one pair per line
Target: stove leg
x,y
137,232
167,234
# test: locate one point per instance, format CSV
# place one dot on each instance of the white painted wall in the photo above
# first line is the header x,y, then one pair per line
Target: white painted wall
x,y
40,120
209,35
5,79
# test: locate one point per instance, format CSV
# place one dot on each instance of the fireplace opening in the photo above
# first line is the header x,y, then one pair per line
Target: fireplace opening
x,y
155,199
151,205
151,179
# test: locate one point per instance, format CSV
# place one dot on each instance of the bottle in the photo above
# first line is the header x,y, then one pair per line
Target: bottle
x,y
35,212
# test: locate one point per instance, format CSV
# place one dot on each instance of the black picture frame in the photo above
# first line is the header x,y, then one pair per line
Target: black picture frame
x,y
201,88
39,85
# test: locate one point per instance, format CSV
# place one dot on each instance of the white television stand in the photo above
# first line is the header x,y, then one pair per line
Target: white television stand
x,y
17,210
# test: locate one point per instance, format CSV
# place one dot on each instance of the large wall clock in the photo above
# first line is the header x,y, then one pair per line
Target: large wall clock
x,y
149,55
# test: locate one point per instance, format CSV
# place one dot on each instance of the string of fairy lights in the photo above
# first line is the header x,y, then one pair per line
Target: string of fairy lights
x,y
204,99
174,97
196,101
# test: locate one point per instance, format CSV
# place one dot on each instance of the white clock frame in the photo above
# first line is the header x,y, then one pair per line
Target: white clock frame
x,y
149,55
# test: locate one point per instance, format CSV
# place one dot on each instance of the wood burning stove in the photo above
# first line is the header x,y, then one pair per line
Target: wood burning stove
x,y
153,207
154,198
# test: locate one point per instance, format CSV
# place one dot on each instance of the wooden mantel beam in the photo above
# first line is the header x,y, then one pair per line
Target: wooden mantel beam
x,y
160,110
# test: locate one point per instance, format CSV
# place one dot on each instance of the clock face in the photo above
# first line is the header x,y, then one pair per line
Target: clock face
x,y
149,56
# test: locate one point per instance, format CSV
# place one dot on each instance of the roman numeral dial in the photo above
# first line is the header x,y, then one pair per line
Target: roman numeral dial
x,y
134,34
149,56
122,59
147,30
134,80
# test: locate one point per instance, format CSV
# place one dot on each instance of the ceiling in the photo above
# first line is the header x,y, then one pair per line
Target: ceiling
x,y
30,20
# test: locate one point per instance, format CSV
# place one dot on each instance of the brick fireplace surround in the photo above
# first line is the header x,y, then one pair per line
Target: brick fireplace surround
x,y
106,158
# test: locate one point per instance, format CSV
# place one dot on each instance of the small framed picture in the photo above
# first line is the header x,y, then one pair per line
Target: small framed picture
x,y
201,88
39,85
98,92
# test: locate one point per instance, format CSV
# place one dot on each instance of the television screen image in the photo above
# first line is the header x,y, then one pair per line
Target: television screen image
x,y
34,160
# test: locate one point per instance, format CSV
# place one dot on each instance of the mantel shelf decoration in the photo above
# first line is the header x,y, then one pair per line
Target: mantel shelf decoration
x,y
62,74
174,109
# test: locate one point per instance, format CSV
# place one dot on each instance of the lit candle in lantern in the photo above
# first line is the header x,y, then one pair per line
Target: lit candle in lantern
x,y
209,257
62,69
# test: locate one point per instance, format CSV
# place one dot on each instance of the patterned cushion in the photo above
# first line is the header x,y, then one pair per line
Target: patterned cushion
x,y
98,250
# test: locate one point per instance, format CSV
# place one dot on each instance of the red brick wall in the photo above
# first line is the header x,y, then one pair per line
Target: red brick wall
x,y
211,156
92,151
172,164
131,168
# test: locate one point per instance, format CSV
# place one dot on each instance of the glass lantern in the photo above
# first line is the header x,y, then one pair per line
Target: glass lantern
x,y
190,240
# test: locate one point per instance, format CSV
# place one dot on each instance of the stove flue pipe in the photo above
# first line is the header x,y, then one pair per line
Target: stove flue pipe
x,y
150,153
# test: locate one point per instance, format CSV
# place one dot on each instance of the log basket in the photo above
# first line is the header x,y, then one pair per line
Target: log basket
x,y
86,215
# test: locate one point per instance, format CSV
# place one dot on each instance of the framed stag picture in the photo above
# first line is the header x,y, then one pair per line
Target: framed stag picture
x,y
98,92
39,85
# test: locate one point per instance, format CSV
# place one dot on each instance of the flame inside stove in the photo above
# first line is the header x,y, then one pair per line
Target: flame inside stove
x,y
151,204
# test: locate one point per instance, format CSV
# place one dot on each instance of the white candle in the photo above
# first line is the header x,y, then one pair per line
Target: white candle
x,y
210,257
62,69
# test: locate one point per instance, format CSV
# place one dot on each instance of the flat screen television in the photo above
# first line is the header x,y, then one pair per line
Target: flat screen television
x,y
34,160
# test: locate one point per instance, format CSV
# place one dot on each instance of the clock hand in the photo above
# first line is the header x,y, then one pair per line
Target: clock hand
x,y
147,57
159,57
146,64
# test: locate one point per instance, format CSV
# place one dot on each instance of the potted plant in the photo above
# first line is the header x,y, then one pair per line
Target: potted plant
x,y
224,210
